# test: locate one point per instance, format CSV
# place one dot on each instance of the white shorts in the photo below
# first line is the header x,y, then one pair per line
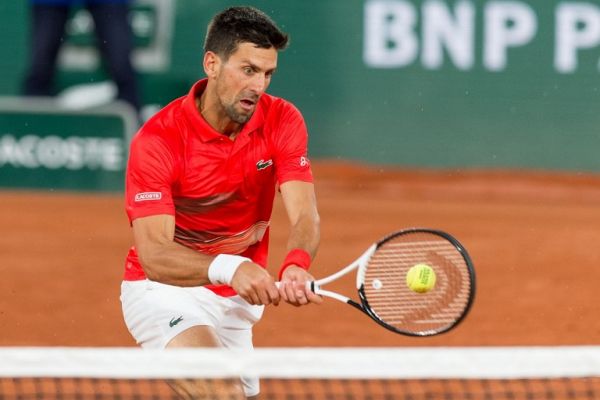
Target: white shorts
x,y
155,313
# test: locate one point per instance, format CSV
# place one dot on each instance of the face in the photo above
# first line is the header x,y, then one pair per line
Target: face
x,y
243,78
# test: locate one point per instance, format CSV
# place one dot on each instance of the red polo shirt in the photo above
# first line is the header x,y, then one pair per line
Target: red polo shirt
x,y
220,191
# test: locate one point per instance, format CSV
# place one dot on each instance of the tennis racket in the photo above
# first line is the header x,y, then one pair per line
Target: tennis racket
x,y
383,291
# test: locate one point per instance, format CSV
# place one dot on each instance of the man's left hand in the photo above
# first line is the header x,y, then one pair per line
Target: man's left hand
x,y
293,288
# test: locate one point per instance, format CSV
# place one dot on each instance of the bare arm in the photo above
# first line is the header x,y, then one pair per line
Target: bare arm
x,y
163,259
301,205
167,261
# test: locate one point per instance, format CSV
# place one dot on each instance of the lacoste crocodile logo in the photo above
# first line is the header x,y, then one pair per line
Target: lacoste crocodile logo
x,y
174,321
262,164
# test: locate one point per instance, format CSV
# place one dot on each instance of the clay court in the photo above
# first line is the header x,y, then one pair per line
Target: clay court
x,y
532,236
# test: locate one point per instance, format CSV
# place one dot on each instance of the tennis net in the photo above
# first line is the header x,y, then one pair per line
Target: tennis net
x,y
444,373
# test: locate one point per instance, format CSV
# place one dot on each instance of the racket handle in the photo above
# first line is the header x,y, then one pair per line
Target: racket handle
x,y
310,285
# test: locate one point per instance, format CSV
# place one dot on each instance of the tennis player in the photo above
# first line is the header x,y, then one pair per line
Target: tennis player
x,y
201,180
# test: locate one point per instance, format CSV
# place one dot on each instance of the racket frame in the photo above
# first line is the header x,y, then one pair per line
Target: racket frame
x,y
361,264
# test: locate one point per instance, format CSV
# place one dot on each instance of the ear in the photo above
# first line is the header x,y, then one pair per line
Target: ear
x,y
211,64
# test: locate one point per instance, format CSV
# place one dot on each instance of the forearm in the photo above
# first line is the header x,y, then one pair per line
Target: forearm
x,y
162,258
175,264
302,247
301,205
303,242
305,234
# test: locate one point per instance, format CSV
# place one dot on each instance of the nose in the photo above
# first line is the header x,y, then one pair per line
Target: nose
x,y
259,83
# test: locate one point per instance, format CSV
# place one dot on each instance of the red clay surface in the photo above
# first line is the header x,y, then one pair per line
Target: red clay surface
x,y
533,238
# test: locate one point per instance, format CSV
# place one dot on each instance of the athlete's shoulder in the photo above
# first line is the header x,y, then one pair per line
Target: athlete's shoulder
x,y
279,109
165,118
164,126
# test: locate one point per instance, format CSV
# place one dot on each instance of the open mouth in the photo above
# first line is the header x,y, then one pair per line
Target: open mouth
x,y
247,104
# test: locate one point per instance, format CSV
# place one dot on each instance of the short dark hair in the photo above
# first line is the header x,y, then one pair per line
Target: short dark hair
x,y
236,25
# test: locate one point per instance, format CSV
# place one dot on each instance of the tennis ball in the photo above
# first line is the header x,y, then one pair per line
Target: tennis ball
x,y
420,278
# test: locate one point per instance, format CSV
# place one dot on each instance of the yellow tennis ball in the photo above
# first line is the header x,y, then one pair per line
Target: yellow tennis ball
x,y
420,278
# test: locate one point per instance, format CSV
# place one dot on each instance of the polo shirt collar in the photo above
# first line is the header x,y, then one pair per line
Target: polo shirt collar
x,y
203,128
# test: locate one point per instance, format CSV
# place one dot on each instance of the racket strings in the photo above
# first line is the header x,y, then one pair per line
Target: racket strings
x,y
388,296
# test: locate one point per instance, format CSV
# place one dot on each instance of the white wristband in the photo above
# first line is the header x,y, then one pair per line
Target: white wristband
x,y
223,267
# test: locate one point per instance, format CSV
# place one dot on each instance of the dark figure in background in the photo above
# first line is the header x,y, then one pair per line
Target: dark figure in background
x,y
114,37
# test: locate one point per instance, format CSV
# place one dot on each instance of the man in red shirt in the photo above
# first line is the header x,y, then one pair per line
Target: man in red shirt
x,y
200,185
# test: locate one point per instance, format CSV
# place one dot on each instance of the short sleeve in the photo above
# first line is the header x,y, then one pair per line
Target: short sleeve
x,y
150,172
291,146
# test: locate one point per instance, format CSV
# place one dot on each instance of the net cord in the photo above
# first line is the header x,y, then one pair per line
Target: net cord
x,y
327,363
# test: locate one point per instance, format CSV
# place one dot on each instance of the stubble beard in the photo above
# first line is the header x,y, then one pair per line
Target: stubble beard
x,y
236,116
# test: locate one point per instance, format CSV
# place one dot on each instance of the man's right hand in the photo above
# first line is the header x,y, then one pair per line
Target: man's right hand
x,y
255,285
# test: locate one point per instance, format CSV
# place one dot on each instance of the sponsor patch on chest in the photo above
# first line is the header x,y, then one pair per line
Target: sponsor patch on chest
x,y
262,164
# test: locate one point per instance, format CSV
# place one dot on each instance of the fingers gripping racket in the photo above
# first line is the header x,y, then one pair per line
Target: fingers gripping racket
x,y
381,280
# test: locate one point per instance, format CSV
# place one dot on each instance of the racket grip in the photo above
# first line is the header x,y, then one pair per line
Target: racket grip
x,y
310,285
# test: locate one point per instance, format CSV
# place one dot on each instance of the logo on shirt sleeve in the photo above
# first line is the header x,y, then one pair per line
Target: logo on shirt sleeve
x,y
304,161
146,196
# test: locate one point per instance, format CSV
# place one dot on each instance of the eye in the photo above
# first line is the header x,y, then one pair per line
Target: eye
x,y
248,70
